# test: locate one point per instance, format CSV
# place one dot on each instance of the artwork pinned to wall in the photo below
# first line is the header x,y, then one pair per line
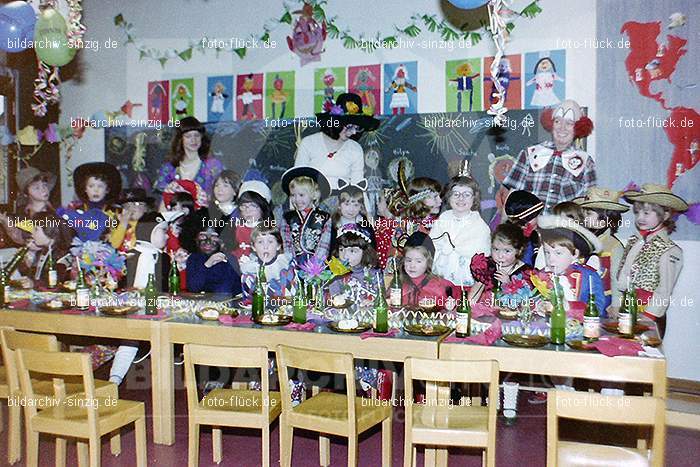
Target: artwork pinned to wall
x,y
510,76
158,108
328,83
545,76
365,81
463,85
182,98
219,98
400,90
249,93
279,94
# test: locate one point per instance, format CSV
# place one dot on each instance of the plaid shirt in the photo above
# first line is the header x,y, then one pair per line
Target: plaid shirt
x,y
552,184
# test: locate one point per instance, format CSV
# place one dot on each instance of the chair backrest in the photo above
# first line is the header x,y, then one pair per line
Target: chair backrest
x,y
322,362
650,371
58,364
229,357
594,407
451,371
11,340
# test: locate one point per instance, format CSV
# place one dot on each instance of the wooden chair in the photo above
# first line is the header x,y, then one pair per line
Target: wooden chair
x,y
229,407
327,412
11,340
84,416
619,410
438,422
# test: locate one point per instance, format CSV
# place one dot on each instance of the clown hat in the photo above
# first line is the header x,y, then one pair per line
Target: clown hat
x,y
186,186
305,171
568,110
255,181
584,240
657,194
601,198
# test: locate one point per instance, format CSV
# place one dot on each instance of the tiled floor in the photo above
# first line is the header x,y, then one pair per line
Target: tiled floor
x,y
520,445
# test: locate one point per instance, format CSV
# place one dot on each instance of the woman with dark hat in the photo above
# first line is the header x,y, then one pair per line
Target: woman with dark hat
x,y
334,151
34,190
189,157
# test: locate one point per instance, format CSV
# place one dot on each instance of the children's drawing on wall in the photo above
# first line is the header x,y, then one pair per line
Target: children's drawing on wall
x,y
545,73
279,94
365,82
219,92
463,85
509,70
182,99
249,104
158,109
400,94
328,83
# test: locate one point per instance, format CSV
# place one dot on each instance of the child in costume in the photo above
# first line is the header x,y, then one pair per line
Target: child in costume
x,y
306,229
45,234
354,246
280,268
603,217
419,285
651,261
210,269
351,210
460,232
505,264
254,211
135,203
522,209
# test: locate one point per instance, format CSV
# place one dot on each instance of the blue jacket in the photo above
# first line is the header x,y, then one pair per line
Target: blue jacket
x,y
220,278
583,289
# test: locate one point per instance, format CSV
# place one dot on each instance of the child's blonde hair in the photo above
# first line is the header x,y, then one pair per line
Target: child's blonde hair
x,y
660,211
309,184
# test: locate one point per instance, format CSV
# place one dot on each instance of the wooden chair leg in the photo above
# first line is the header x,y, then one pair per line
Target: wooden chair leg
x,y
14,435
140,439
32,448
95,452
193,448
216,444
386,442
415,456
324,450
115,443
266,446
83,457
2,422
352,451
61,444
408,451
286,443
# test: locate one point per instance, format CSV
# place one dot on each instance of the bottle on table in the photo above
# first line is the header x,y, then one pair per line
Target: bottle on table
x,y
151,296
627,318
258,308
4,287
173,278
464,317
591,317
299,305
52,274
634,308
82,292
14,261
497,295
558,318
381,311
395,292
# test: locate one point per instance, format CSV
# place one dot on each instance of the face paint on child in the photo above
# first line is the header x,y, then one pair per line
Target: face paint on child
x,y
95,189
559,257
208,242
266,247
415,263
351,254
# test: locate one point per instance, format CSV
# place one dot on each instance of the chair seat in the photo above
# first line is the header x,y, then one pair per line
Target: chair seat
x,y
329,405
102,388
71,417
453,424
241,400
596,455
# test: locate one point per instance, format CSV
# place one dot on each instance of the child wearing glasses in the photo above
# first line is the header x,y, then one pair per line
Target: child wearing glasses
x,y
460,232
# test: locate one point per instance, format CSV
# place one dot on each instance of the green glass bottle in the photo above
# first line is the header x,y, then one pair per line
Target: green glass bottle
x,y
52,274
82,292
174,278
395,292
14,262
151,295
624,319
3,287
558,317
381,310
258,308
464,317
497,295
591,317
634,309
299,312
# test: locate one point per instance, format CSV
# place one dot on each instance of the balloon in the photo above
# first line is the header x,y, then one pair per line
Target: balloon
x,y
17,21
468,4
51,41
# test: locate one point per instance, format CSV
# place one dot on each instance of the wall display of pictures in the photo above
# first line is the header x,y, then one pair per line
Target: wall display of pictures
x,y
545,78
181,98
463,85
249,96
158,96
328,83
365,81
219,98
279,94
510,77
400,88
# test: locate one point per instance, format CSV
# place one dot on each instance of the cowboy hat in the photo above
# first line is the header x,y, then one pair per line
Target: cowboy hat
x,y
26,176
584,240
103,170
303,171
135,195
601,198
657,194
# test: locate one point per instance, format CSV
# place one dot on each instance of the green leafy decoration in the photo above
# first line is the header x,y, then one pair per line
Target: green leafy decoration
x,y
241,51
186,54
475,37
129,39
430,22
119,20
142,54
333,31
265,37
412,31
162,61
349,42
449,34
391,41
286,18
319,13
510,27
532,10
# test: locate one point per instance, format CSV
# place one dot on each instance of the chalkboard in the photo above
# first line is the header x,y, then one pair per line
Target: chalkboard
x,y
435,143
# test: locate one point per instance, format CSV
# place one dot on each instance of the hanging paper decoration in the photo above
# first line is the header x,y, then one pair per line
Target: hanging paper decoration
x,y
499,34
307,36
17,20
508,75
45,88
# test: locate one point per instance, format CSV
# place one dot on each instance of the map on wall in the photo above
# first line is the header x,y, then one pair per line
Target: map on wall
x,y
434,143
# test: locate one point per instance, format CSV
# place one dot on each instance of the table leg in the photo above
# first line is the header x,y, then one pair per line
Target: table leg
x,y
162,380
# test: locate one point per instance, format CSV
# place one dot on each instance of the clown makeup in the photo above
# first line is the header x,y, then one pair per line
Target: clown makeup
x,y
223,191
415,263
563,130
461,200
301,197
266,247
646,217
208,242
350,208
159,236
349,131
434,202
38,190
192,141
250,212
503,253
95,189
351,254
559,257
